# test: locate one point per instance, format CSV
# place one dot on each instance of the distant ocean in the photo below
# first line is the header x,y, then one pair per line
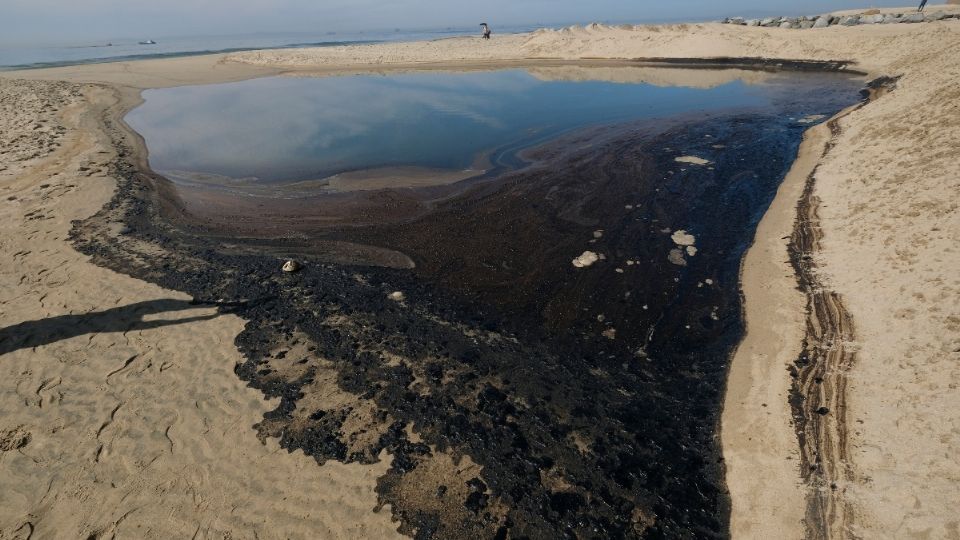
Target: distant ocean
x,y
24,57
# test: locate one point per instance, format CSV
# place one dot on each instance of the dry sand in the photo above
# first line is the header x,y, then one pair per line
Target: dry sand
x,y
887,191
122,416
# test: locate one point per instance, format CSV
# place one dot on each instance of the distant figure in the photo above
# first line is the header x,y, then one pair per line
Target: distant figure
x,y
923,4
486,29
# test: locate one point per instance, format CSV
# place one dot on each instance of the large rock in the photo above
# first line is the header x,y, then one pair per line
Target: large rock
x,y
891,18
753,22
871,19
822,22
935,16
914,18
769,21
735,20
850,21
786,24
806,24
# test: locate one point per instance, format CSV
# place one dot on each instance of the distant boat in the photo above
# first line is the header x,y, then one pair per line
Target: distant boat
x,y
148,42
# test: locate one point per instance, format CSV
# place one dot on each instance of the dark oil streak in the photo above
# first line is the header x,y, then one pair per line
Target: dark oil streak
x,y
818,395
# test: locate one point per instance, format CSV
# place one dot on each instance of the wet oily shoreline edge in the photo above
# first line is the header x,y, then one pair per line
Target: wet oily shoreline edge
x,y
345,316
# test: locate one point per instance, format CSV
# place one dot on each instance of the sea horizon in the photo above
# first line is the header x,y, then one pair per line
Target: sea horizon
x,y
68,52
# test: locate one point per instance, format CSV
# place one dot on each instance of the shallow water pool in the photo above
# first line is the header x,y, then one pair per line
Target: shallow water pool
x,y
289,129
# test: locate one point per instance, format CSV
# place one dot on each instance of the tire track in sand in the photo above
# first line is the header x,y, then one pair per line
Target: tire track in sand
x,y
818,396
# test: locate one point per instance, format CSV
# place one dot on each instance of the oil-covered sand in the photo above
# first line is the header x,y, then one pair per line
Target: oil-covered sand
x,y
518,394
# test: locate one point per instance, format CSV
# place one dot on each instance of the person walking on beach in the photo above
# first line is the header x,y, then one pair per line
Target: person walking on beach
x,y
486,30
923,4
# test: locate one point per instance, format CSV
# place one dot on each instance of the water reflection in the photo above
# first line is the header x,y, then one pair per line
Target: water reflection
x,y
299,128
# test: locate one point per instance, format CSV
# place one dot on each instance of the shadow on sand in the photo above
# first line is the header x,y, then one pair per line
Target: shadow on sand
x,y
128,318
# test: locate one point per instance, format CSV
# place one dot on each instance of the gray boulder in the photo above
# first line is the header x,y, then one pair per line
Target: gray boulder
x,y
804,25
822,22
736,20
936,16
890,18
769,21
914,18
753,22
850,21
786,24
871,19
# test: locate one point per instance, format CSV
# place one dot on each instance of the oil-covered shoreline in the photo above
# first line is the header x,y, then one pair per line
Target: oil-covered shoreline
x,y
517,394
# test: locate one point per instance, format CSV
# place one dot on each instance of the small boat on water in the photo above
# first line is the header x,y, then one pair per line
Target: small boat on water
x,y
148,42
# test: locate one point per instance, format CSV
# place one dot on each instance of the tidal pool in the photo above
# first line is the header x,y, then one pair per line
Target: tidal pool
x,y
437,124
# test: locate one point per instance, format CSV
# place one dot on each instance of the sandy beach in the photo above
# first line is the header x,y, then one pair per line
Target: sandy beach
x,y
112,424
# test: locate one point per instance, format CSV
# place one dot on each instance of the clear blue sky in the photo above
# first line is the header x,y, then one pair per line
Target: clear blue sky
x,y
39,21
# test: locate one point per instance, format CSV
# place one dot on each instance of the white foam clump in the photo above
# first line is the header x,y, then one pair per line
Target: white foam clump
x,y
809,119
693,160
683,238
586,259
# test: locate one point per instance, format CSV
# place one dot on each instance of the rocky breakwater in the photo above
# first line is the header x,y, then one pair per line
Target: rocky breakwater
x,y
823,21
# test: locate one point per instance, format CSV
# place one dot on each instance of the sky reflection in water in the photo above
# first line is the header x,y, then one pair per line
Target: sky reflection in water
x,y
300,128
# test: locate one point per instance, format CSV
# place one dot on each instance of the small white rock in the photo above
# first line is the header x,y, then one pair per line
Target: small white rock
x,y
586,259
682,238
676,257
691,251
397,296
291,266
598,233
